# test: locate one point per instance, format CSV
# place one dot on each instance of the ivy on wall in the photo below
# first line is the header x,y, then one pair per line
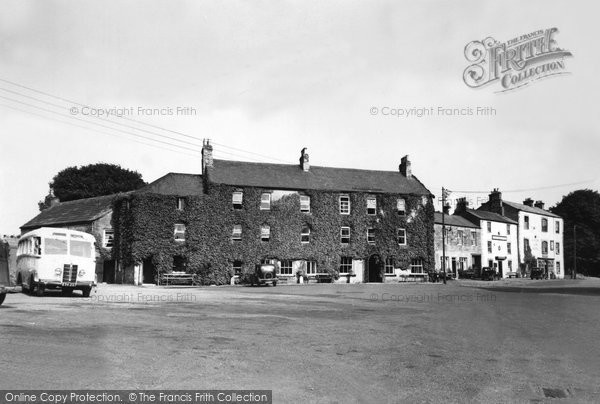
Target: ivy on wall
x,y
144,229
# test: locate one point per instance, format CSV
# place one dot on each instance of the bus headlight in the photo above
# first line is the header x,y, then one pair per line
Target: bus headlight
x,y
57,271
81,272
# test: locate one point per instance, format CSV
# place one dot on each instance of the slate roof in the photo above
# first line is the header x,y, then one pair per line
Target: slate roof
x,y
292,177
454,220
530,209
78,211
490,216
176,184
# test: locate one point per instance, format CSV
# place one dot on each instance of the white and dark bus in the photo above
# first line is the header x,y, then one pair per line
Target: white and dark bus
x,y
52,258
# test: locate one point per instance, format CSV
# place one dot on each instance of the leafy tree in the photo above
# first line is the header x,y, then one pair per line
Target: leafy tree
x,y
92,180
581,209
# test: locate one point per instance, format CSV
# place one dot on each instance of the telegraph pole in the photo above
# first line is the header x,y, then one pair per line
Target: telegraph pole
x,y
574,275
444,234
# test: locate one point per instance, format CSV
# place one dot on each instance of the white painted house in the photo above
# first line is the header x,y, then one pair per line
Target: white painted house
x,y
499,239
540,233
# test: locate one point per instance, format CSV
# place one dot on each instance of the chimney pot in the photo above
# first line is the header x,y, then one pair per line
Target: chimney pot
x,y
528,202
539,204
304,164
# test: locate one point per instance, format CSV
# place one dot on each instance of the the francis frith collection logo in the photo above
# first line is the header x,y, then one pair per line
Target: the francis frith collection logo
x,y
514,63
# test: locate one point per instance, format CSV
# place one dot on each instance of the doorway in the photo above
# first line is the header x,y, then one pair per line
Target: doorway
x,y
375,269
108,271
149,271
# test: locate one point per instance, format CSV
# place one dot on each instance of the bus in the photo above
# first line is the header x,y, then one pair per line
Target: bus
x,y
53,258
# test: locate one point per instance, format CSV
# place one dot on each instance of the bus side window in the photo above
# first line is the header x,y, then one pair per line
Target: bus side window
x,y
37,247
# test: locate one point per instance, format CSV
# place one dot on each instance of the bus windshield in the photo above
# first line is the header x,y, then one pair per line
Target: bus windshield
x,y
54,246
81,248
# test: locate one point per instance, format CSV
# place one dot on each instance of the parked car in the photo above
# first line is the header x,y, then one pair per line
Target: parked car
x,y
264,274
467,274
537,273
488,274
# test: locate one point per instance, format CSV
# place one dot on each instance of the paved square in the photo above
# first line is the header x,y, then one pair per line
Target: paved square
x,y
513,340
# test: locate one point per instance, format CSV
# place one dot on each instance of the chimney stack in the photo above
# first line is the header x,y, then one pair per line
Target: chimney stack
x,y
405,169
461,206
207,156
304,164
539,205
528,202
446,209
495,202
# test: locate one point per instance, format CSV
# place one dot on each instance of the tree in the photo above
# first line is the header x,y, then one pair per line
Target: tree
x,y
581,209
92,180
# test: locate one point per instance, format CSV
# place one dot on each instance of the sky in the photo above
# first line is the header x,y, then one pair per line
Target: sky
x,y
264,79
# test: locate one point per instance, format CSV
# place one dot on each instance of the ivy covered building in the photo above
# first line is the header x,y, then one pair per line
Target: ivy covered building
x,y
354,225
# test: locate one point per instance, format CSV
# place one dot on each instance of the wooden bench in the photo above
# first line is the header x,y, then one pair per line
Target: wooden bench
x,y
324,278
177,278
407,276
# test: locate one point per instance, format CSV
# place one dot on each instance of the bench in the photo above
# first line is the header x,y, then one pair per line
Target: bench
x,y
410,277
177,278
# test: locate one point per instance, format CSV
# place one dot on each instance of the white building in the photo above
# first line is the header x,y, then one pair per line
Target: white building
x,y
540,233
498,239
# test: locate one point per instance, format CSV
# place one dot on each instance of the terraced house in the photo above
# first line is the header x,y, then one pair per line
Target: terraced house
x,y
353,225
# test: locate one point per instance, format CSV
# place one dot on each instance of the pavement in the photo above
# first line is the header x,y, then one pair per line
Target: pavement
x,y
512,340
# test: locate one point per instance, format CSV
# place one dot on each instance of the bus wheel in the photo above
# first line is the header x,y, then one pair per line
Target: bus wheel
x,y
2,297
31,288
36,289
66,291
86,292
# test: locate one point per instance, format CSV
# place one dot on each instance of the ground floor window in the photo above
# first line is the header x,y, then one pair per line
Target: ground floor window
x,y
389,266
510,265
345,265
286,267
558,267
237,267
462,263
311,267
179,263
416,266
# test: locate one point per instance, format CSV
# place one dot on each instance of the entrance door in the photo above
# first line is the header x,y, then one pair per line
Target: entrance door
x,y
454,266
108,271
149,272
500,272
375,268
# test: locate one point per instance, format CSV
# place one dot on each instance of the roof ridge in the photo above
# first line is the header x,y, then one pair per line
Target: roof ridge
x,y
312,166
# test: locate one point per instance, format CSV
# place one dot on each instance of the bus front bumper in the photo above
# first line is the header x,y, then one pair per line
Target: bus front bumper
x,y
52,284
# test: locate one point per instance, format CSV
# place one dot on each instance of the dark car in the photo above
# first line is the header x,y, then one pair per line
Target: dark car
x,y
488,274
264,274
537,273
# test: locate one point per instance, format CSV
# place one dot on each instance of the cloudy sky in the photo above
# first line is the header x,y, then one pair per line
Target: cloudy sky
x,y
272,77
